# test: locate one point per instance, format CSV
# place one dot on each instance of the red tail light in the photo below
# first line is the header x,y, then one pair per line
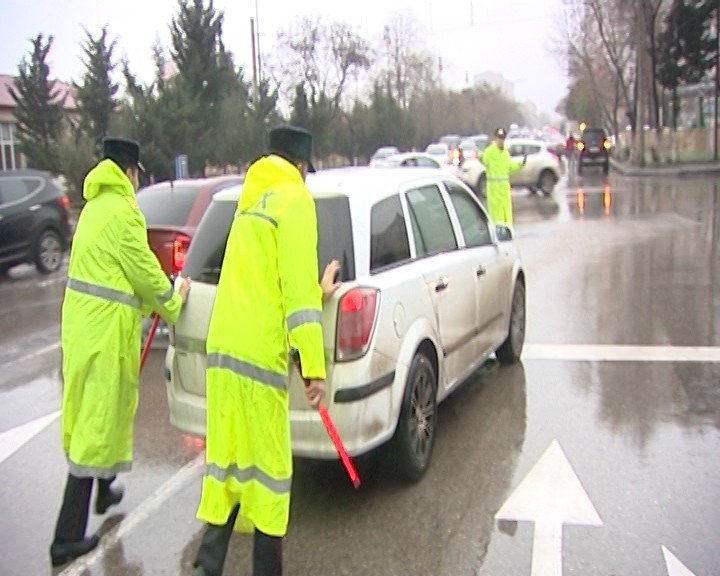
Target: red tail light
x,y
180,249
356,320
64,202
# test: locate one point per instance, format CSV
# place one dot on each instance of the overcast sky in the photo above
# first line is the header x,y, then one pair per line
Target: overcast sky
x,y
512,37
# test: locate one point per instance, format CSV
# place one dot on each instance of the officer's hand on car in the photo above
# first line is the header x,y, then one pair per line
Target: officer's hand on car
x,y
184,289
329,282
315,392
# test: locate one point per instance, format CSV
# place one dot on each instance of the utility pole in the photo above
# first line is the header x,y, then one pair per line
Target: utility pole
x,y
717,79
640,85
254,53
257,22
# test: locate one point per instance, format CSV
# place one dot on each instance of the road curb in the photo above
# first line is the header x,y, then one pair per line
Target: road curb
x,y
675,171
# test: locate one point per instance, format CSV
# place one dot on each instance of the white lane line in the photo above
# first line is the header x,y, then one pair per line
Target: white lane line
x,y
182,477
15,438
621,353
34,354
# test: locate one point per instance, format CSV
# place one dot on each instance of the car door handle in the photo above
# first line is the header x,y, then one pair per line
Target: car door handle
x,y
441,284
34,207
480,271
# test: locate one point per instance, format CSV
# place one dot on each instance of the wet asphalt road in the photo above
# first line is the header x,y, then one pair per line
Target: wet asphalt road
x,y
632,263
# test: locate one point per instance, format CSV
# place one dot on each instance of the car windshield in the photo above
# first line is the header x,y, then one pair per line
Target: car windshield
x,y
385,152
436,150
207,251
593,136
167,204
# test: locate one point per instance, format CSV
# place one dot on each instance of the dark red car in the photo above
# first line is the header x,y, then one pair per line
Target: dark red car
x,y
173,211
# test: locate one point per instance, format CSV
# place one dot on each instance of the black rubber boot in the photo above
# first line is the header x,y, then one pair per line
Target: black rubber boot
x,y
267,555
70,542
64,552
214,547
106,496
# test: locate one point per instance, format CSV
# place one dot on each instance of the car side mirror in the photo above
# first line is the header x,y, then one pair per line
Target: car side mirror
x,y
504,233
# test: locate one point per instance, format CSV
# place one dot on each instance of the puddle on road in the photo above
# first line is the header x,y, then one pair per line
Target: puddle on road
x,y
596,196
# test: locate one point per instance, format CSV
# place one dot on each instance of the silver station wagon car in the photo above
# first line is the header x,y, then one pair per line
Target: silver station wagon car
x,y
431,289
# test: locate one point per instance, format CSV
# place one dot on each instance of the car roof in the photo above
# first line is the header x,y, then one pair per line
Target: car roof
x,y
404,155
199,183
526,141
365,184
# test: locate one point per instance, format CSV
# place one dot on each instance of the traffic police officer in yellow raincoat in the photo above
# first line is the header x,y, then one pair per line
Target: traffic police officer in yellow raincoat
x,y
113,277
499,166
268,301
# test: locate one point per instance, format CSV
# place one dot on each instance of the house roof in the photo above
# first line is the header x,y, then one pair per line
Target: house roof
x,y
64,91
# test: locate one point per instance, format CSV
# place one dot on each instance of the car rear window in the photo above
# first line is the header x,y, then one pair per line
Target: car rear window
x,y
436,150
594,136
207,250
167,204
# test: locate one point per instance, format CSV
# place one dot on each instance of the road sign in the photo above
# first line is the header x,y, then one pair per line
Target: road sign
x,y
550,496
181,167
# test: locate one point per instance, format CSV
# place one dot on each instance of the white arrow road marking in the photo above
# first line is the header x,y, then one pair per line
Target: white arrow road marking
x,y
550,495
14,439
674,566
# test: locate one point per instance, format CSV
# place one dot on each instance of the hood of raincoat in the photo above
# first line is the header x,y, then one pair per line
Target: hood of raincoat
x,y
266,173
107,176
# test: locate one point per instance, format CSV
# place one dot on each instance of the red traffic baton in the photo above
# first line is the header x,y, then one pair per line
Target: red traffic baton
x,y
148,344
339,446
331,430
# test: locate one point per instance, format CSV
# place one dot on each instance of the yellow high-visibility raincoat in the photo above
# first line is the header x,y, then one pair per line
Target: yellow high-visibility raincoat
x,y
268,299
113,275
499,166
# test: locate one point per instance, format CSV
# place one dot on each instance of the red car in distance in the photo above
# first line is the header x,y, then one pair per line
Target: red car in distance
x,y
173,211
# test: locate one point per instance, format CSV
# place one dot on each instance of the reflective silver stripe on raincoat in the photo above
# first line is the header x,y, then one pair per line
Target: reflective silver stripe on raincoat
x,y
242,368
303,317
105,293
251,473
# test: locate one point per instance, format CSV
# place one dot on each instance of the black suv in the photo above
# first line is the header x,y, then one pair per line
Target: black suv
x,y
594,148
34,223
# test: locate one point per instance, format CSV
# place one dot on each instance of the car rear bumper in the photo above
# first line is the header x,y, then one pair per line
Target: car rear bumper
x,y
362,415
594,158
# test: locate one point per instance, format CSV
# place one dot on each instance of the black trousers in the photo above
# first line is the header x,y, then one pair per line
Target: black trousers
x,y
267,550
73,518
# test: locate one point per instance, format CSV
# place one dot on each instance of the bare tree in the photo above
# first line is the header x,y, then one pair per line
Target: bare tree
x,y
409,70
323,58
594,39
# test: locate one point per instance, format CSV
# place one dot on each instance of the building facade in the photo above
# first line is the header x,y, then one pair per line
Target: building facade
x,y
11,157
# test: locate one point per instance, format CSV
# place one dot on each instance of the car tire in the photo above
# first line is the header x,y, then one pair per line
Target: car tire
x,y
547,182
510,350
48,252
415,433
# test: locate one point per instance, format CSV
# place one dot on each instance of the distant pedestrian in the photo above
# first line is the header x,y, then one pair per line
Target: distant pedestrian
x,y
499,166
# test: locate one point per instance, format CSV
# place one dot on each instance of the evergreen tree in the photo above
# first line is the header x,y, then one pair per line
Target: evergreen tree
x,y
97,93
39,111
206,76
